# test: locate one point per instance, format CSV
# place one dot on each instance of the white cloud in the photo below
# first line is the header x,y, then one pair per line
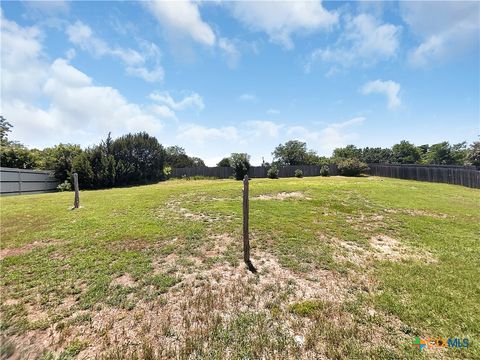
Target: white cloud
x,y
22,69
388,88
365,41
281,19
263,128
230,52
273,111
163,111
333,136
82,35
182,17
75,110
200,134
445,28
247,97
193,100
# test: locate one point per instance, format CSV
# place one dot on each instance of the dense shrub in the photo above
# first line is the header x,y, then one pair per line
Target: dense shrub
x,y
351,167
81,165
298,173
65,186
130,159
167,171
139,159
272,173
240,163
59,159
324,170
17,156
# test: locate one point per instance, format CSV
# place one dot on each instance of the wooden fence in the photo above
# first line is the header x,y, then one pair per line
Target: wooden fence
x,y
22,181
460,175
253,172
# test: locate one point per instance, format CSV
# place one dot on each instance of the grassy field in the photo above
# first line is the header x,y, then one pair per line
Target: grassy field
x,y
347,268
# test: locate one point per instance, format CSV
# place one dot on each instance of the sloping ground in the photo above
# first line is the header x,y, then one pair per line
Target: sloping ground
x,y
347,268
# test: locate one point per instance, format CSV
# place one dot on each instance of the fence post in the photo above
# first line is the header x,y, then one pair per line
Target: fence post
x,y
19,182
76,202
246,240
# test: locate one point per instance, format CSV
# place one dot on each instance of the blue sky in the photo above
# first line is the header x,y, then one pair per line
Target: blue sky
x,y
220,77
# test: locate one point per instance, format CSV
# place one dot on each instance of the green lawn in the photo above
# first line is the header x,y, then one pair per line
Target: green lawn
x,y
347,268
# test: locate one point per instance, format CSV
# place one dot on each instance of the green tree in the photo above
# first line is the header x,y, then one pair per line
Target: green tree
x,y
376,155
82,166
473,156
295,152
139,159
176,157
347,152
17,156
197,162
59,159
445,154
225,162
405,153
240,162
12,153
5,128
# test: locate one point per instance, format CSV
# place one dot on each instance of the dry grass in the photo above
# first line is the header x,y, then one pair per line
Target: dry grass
x,y
164,278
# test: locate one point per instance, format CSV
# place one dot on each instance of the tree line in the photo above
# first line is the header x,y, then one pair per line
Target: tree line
x,y
130,159
352,161
140,158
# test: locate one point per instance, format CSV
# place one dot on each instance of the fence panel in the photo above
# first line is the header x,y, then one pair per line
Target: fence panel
x,y
253,172
23,181
451,174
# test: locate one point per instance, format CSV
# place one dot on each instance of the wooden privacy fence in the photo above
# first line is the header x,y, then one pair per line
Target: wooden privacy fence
x,y
22,181
253,172
460,175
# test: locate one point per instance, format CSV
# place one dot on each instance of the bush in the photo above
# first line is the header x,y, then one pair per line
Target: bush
x,y
240,163
167,171
298,173
272,173
17,156
324,170
65,186
351,167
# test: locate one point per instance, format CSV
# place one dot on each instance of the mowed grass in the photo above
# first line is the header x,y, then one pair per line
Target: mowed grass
x,y
347,268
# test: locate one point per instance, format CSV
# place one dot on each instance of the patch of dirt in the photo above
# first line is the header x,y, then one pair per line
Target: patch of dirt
x,y
382,247
217,293
11,302
206,297
24,249
417,213
173,209
220,245
365,222
124,280
282,196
